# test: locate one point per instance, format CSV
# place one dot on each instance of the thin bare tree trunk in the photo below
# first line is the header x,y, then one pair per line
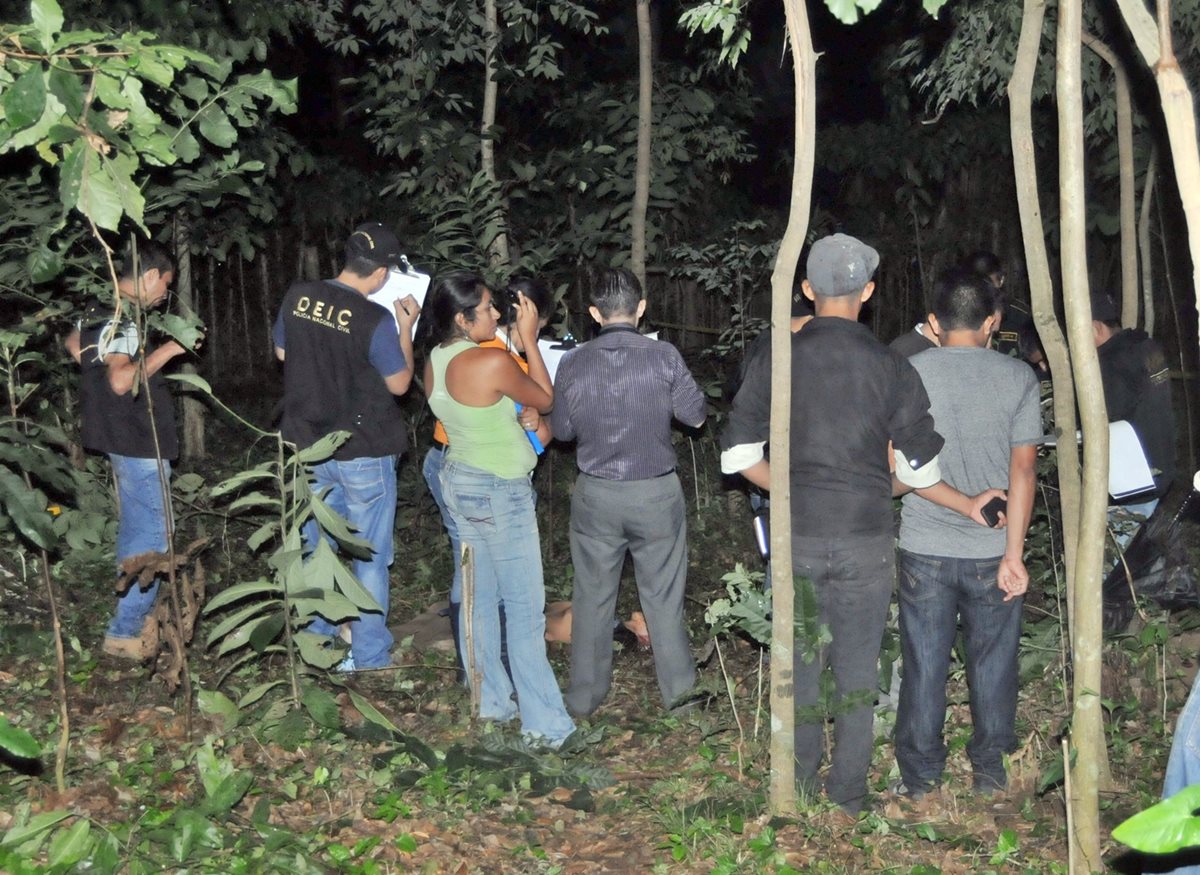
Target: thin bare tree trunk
x,y
783,694
1041,286
192,439
1146,257
498,247
641,190
1087,726
1178,112
213,341
1128,208
264,298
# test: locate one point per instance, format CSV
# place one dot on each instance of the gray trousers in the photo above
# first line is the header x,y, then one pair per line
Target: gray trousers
x,y
647,519
851,579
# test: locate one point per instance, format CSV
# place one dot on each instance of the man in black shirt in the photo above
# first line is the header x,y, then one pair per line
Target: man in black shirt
x,y
344,359
1137,389
851,396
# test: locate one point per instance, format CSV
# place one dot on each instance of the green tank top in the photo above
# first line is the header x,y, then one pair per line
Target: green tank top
x,y
488,438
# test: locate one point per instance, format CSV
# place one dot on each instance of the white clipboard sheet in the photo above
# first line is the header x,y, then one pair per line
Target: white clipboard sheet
x,y
1128,471
401,282
552,356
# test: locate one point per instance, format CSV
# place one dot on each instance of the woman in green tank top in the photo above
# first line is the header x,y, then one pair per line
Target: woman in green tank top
x,y
485,483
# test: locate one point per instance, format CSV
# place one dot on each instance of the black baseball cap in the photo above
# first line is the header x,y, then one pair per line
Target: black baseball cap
x,y
1105,308
375,243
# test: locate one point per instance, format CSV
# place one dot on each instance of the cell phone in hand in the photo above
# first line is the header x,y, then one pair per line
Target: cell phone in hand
x,y
992,510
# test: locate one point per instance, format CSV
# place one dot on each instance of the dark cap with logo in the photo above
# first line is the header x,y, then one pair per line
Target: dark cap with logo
x,y
840,265
375,243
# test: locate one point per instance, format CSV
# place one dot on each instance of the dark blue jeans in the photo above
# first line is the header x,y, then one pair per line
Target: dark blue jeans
x,y
935,593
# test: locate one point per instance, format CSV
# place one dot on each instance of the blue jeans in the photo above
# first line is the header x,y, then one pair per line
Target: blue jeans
x,y
364,493
1183,767
495,517
851,581
142,528
435,460
935,593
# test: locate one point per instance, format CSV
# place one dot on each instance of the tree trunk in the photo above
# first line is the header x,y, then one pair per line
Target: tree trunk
x,y
641,190
1178,112
191,445
783,694
1128,210
498,254
1087,727
1144,243
1041,286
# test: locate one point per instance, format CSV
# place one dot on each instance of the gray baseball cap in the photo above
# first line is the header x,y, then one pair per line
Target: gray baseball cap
x,y
840,265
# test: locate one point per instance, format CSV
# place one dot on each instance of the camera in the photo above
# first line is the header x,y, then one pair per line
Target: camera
x,y
508,306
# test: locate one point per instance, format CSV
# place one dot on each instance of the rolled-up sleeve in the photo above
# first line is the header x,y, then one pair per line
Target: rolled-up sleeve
x,y
911,425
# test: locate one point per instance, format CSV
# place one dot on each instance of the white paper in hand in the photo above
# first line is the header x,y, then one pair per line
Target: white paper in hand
x,y
1128,470
399,284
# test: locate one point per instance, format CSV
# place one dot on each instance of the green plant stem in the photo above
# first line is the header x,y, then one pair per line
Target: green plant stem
x,y
293,674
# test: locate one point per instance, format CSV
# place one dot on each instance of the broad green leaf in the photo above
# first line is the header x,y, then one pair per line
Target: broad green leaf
x,y
44,264
338,528
216,127
37,824
370,712
70,177
121,169
25,101
324,565
228,793
189,332
98,198
194,88
240,591
193,380
152,66
324,448
254,499
70,846
315,650
265,631
217,704
845,11
185,146
933,7
240,618
262,534
229,484
256,693
331,605
27,509
322,707
68,88
1166,827
18,742
47,20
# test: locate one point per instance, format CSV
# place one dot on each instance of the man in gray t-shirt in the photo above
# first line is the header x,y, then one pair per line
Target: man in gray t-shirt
x,y
986,406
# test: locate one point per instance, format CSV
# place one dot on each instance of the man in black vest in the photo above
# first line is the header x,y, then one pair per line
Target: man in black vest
x,y
134,425
345,359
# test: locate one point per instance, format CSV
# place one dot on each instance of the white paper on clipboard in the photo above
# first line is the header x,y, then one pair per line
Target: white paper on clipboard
x,y
401,282
1128,471
552,356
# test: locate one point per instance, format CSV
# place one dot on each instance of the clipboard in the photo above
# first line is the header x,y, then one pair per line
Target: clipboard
x,y
402,281
1128,469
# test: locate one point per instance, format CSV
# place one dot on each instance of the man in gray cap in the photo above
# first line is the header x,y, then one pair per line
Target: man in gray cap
x,y
852,397
345,358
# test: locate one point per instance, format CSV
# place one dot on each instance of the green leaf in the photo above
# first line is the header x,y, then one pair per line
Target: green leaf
x,y
257,692
25,101
262,534
188,332
96,196
370,712
322,707
27,509
339,529
120,170
37,824
70,846
47,20
324,448
228,793
266,631
216,127
193,380
845,11
240,591
1165,827
44,264
933,7
68,88
229,484
254,499
315,650
18,742
217,704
